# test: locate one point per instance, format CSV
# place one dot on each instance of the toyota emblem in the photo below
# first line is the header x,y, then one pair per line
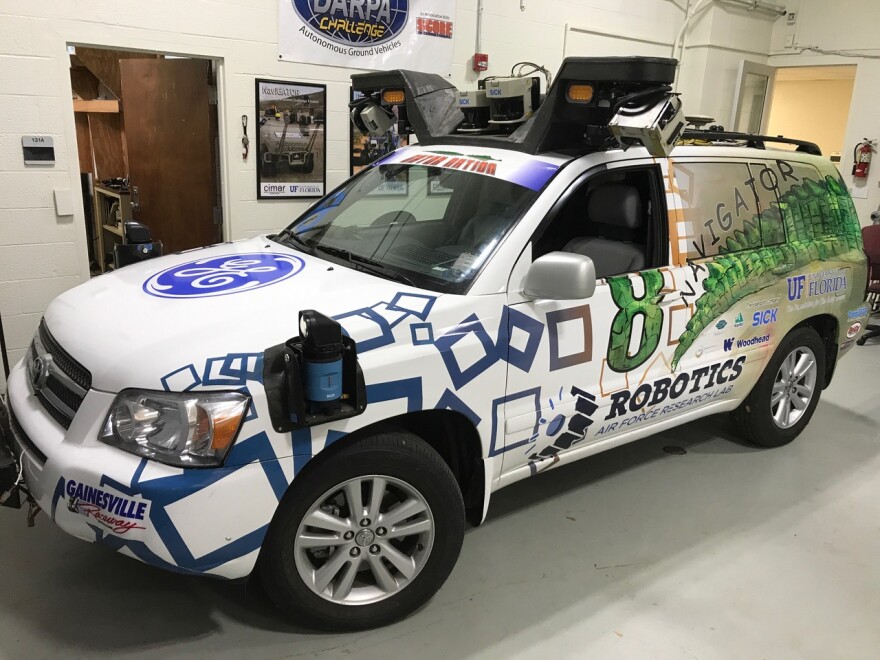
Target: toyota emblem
x,y
39,372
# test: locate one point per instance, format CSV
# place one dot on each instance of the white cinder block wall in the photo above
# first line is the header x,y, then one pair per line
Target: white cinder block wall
x,y
42,254
851,27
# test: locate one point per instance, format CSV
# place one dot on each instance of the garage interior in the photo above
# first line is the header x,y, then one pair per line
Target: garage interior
x,y
686,543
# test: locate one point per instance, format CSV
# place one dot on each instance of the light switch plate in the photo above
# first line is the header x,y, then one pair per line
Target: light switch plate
x,y
63,202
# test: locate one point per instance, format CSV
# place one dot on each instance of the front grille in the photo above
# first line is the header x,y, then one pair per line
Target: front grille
x,y
23,439
74,370
63,386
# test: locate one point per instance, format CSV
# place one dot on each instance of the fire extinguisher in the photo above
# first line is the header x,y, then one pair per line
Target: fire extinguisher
x,y
862,159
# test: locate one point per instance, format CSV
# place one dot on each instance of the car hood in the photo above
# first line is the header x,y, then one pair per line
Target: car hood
x,y
158,323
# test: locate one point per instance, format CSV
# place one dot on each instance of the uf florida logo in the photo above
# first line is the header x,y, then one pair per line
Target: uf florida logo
x,y
354,22
219,276
796,287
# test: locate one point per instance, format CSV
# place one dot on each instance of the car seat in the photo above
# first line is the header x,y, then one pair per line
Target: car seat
x,y
615,219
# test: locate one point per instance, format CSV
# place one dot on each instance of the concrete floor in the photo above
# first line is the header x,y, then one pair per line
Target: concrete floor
x,y
725,552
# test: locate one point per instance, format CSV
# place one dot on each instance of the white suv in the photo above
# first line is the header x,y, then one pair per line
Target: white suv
x,y
466,314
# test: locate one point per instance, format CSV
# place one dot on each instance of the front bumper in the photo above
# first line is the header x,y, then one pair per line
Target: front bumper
x,y
9,471
206,521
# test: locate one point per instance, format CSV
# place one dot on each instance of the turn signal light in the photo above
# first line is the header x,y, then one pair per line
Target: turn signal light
x,y
393,96
580,93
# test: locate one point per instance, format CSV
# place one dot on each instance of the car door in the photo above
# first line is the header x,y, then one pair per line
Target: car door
x,y
591,370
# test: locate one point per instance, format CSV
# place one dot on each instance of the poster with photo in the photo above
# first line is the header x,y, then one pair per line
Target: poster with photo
x,y
366,148
292,139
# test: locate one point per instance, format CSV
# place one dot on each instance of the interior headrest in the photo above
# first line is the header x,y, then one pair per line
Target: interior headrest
x,y
616,204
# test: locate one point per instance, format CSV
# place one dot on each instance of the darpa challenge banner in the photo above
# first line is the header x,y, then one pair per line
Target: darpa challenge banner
x,y
368,34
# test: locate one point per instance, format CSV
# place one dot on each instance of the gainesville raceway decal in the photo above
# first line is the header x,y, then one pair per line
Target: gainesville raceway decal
x,y
102,506
368,34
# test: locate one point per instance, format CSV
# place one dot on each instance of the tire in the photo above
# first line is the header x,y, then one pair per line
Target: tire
x,y
755,415
413,473
309,164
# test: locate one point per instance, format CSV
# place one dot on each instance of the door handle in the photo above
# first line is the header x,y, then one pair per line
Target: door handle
x,y
135,199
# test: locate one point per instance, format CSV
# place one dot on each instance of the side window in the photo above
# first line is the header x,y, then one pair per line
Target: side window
x,y
778,184
617,218
720,208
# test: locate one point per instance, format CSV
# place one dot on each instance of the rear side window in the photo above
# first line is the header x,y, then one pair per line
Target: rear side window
x,y
720,209
729,207
789,204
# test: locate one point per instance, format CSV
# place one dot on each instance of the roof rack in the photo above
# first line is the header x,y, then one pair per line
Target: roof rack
x,y
751,140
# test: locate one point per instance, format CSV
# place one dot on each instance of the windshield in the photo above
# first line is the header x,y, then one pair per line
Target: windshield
x,y
430,227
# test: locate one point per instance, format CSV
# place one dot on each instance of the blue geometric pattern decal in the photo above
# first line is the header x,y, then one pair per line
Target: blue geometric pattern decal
x,y
402,305
500,349
444,344
233,369
181,380
386,335
416,304
422,333
408,388
522,359
448,401
497,445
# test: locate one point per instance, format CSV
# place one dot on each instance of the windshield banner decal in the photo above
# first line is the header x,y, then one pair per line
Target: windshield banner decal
x,y
372,34
523,170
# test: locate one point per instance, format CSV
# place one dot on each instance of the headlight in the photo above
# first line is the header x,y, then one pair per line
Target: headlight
x,y
183,429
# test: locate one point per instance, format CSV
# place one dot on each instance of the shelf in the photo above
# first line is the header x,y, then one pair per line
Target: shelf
x,y
79,105
113,229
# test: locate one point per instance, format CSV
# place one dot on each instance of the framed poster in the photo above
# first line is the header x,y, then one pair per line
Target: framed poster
x,y
293,142
366,149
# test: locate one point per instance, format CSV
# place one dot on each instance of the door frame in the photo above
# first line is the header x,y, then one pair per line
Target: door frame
x,y
745,68
223,151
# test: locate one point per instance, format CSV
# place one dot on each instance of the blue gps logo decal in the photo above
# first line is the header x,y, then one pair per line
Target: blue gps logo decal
x,y
219,276
354,22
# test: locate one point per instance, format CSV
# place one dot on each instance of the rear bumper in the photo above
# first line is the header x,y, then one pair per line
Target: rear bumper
x,y
205,521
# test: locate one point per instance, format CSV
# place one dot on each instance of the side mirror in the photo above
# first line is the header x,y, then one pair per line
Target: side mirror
x,y
561,276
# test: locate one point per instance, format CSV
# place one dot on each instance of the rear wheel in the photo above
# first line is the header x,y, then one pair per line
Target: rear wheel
x,y
366,537
787,393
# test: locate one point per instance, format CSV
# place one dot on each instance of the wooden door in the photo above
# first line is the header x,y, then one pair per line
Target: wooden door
x,y
170,149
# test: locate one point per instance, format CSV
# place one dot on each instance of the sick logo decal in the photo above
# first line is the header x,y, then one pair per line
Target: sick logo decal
x,y
354,22
219,276
764,316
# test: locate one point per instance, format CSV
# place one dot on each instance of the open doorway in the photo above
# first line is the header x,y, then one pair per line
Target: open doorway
x,y
147,138
812,103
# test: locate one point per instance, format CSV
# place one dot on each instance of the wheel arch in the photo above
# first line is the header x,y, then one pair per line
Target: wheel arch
x,y
827,327
448,432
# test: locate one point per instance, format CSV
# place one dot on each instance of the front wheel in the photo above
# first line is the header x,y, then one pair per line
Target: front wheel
x,y
787,393
366,537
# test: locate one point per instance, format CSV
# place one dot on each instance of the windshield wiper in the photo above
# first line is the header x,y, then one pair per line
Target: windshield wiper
x,y
290,238
366,264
